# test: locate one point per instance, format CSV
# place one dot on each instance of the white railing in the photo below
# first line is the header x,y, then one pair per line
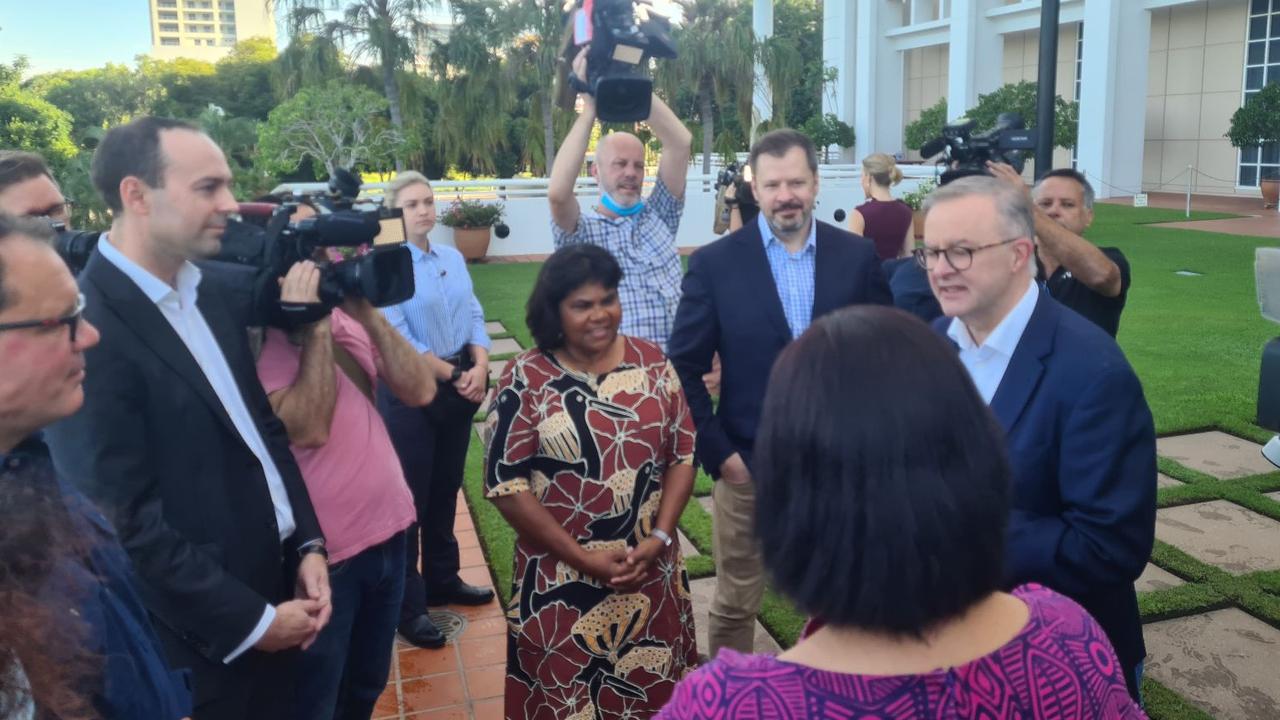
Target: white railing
x,y
529,218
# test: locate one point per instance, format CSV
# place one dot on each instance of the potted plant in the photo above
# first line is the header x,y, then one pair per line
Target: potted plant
x,y
1257,122
915,200
471,221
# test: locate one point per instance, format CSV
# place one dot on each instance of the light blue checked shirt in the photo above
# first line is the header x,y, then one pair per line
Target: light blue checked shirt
x,y
792,275
443,315
645,247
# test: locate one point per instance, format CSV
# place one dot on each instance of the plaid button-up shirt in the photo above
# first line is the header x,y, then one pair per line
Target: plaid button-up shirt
x,y
645,247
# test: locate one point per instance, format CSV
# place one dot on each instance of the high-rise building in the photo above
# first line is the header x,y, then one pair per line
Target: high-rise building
x,y
206,29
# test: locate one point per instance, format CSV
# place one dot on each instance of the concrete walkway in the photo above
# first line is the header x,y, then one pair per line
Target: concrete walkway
x,y
1254,221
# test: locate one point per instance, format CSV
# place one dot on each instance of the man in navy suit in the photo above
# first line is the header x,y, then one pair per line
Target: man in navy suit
x,y
1080,436
746,296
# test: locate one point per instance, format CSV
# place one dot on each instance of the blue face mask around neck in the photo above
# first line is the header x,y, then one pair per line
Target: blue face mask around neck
x,y
617,209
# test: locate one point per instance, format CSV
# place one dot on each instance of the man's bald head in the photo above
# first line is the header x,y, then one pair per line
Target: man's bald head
x,y
619,167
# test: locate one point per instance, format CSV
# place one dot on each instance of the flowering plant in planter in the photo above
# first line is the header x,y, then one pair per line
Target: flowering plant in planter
x,y
472,214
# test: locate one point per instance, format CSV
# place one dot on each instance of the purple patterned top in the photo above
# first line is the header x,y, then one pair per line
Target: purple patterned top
x,y
1059,666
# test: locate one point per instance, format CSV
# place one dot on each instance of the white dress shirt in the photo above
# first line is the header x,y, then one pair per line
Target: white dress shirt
x,y
179,308
987,362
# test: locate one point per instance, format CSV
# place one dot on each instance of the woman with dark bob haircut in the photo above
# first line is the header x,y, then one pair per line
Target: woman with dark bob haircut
x,y
590,458
882,495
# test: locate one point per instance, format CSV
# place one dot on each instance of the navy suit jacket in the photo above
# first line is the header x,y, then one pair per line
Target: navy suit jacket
x,y
155,449
1082,449
730,305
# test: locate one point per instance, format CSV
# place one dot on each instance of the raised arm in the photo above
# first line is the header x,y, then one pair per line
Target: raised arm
x,y
676,141
564,173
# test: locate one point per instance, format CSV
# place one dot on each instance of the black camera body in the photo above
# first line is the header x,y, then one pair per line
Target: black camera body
x,y
383,275
733,175
968,153
625,34
74,246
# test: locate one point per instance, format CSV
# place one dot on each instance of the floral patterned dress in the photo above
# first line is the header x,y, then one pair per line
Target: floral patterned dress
x,y
593,451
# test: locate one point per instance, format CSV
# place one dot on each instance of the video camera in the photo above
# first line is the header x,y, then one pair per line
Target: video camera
x,y
74,246
968,153
739,178
377,265
623,35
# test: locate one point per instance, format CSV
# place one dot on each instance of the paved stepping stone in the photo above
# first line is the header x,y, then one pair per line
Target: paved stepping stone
x,y
1222,533
502,346
1157,578
494,327
702,591
1224,661
496,369
1274,495
1164,481
706,503
686,546
1215,453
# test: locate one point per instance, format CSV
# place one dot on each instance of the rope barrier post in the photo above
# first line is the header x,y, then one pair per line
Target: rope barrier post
x,y
1190,176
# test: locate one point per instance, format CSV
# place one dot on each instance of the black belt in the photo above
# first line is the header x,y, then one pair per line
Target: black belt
x,y
461,359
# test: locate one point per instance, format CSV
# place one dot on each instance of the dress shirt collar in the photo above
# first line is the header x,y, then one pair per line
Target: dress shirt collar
x,y
766,234
156,290
1004,339
419,255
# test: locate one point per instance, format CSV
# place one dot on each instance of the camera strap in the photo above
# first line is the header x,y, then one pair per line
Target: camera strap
x,y
352,370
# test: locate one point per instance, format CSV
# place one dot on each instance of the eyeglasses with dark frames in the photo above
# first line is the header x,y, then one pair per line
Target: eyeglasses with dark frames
x,y
72,321
959,258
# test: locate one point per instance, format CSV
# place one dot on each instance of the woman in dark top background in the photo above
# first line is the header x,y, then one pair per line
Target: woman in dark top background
x,y
882,219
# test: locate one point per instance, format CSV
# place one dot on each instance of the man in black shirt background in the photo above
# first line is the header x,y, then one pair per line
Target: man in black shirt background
x,y
1090,280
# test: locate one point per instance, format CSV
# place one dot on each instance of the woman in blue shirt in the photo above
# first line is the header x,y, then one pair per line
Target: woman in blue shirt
x,y
445,322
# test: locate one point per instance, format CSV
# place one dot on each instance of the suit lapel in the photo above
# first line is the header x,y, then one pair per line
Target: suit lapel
x,y
827,278
136,311
757,274
1022,377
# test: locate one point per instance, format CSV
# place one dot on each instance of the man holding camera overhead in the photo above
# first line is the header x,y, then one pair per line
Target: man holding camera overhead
x,y
177,443
640,232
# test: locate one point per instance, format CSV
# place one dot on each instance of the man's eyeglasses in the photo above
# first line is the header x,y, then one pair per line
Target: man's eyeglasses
x,y
959,258
72,321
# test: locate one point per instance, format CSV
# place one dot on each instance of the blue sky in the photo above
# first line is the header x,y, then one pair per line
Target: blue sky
x,y
73,34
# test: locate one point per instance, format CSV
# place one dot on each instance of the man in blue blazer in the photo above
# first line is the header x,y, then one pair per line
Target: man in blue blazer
x,y
1080,435
745,297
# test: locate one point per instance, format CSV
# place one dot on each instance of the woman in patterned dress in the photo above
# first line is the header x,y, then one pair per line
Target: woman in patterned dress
x,y
882,498
590,447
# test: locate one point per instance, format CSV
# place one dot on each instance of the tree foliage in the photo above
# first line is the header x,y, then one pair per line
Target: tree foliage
x,y
29,122
334,125
1258,120
716,45
826,130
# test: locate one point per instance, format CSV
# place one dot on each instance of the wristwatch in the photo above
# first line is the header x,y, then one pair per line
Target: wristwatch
x,y
456,374
315,547
663,536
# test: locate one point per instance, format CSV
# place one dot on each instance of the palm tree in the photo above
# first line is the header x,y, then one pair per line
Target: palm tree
x,y
715,43
390,30
783,69
476,91
537,51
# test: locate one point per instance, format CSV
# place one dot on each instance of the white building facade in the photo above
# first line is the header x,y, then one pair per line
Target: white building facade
x,y
1157,80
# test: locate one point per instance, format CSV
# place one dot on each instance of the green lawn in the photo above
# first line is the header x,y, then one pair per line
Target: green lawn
x,y
1195,343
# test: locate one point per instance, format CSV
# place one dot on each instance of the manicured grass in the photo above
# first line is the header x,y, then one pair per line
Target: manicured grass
x,y
1195,343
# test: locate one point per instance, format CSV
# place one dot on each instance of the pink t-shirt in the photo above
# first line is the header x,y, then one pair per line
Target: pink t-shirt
x,y
354,480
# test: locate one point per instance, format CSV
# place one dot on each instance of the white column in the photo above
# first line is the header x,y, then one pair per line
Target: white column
x,y
878,78
838,32
762,95
975,55
1113,95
